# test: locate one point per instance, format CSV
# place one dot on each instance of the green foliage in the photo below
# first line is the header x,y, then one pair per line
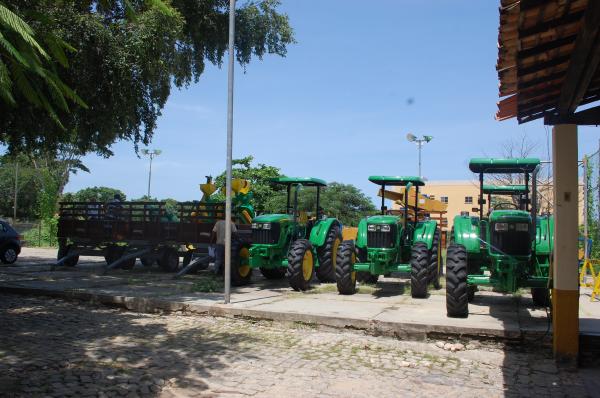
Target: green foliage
x,y
260,177
43,235
342,201
123,57
93,194
27,192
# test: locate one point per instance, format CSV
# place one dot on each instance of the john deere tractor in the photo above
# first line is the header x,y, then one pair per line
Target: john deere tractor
x,y
292,244
508,248
392,243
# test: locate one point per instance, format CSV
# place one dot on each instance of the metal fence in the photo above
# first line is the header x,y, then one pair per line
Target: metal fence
x,y
590,201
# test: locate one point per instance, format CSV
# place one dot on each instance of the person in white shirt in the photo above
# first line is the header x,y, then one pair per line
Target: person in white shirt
x,y
218,238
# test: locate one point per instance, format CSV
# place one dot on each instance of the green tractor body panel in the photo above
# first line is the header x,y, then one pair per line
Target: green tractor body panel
x,y
397,180
544,238
306,181
319,231
424,232
361,235
265,218
466,233
503,166
268,253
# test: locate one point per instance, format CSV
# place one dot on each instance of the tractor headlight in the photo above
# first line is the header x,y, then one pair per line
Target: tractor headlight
x,y
522,227
501,226
254,225
266,226
371,228
385,228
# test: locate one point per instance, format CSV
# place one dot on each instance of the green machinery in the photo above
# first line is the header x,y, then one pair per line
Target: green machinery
x,y
389,243
508,248
292,244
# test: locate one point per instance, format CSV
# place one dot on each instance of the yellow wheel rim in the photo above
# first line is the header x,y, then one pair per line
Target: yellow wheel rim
x,y
353,273
307,265
336,245
244,267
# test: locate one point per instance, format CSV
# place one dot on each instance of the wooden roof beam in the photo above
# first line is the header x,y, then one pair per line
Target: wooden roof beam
x,y
584,62
588,117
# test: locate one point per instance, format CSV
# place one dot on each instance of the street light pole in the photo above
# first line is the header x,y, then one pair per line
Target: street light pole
x,y
419,141
151,154
16,190
229,152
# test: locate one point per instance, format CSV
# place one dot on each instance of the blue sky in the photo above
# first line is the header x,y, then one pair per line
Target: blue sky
x,y
339,105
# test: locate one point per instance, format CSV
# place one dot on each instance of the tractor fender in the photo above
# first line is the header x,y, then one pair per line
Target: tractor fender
x,y
361,235
318,234
467,233
544,235
424,232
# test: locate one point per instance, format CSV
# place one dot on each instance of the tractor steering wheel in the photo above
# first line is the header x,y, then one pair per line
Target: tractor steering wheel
x,y
499,206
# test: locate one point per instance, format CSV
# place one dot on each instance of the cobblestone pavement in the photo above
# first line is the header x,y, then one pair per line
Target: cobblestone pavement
x,y
56,348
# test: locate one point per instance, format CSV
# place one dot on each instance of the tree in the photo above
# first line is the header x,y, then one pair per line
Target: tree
x,y
127,55
94,194
343,201
27,194
260,177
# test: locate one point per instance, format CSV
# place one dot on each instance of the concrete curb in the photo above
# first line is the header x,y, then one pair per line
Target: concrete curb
x,y
400,330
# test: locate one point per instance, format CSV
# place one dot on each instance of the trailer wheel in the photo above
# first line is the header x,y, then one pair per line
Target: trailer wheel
x,y
169,260
129,264
344,271
241,273
419,267
457,292
435,261
327,255
64,250
147,260
301,265
540,296
273,273
113,253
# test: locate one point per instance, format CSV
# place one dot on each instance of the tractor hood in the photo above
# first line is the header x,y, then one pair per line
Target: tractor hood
x,y
510,215
272,218
383,220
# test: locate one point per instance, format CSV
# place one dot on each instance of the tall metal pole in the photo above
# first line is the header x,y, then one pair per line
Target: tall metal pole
x,y
420,143
585,207
150,174
16,190
229,153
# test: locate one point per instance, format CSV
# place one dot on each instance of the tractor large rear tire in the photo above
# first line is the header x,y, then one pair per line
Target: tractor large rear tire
x,y
540,296
301,265
457,290
344,270
435,269
327,255
419,270
169,260
273,273
241,273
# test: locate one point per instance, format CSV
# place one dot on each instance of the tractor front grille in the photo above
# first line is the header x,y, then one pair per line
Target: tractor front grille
x,y
266,236
382,240
515,243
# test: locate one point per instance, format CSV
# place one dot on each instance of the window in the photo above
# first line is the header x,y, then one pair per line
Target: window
x,y
468,200
431,196
444,199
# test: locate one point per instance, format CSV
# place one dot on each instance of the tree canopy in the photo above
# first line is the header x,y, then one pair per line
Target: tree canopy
x,y
122,59
94,194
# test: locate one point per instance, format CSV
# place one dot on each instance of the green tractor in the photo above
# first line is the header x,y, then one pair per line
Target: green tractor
x,y
390,243
292,244
508,248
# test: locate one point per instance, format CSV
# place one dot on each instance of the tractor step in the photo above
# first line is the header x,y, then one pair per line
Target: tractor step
x,y
381,269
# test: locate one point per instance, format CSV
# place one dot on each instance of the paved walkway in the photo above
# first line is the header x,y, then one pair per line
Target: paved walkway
x,y
55,348
386,308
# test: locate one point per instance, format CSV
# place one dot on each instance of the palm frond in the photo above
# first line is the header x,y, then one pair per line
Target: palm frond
x,y
12,21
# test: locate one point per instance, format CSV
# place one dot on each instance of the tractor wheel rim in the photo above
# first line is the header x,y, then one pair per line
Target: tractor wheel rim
x,y
244,267
352,272
10,255
336,245
307,265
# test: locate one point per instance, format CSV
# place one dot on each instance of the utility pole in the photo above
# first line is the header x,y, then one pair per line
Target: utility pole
x,y
229,152
151,153
16,190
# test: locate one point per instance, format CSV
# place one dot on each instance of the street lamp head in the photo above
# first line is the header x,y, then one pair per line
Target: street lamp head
x,y
411,137
427,138
145,151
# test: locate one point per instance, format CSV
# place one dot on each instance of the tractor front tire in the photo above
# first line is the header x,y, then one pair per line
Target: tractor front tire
x,y
113,253
273,273
540,296
344,270
241,273
435,269
327,255
169,260
301,265
419,270
457,290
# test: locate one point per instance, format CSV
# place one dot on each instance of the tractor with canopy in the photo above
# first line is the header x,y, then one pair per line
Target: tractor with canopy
x,y
508,247
293,244
388,243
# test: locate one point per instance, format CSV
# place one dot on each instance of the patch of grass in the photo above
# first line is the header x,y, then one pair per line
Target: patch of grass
x,y
208,284
323,288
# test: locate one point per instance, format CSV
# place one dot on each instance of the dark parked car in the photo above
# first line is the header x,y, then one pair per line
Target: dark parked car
x,y
10,243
